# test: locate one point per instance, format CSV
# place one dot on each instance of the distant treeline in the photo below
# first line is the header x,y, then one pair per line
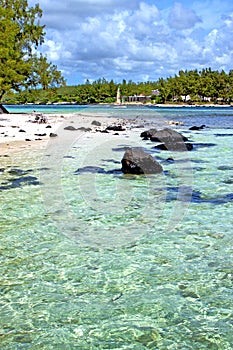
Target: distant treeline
x,y
188,86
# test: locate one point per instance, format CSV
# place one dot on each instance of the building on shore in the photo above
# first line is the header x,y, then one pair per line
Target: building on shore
x,y
137,98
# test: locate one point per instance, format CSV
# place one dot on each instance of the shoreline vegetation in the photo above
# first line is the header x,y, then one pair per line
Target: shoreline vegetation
x,y
205,87
125,104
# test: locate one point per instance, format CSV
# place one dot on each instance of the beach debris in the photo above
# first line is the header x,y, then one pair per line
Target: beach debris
x,y
136,161
174,122
40,118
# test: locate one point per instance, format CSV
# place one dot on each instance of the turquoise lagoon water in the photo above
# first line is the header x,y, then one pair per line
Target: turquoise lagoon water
x,y
93,259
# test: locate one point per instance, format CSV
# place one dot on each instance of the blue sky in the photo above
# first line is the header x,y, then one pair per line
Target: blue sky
x,y
136,40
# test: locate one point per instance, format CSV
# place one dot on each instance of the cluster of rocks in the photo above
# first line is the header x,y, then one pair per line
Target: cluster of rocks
x,y
167,139
136,161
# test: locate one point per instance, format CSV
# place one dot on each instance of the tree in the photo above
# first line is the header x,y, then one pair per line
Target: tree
x,y
21,35
44,74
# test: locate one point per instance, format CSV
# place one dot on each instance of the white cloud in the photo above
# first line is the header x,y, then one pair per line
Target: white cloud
x,y
182,18
136,40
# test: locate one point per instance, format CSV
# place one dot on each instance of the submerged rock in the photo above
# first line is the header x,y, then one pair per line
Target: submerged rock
x,y
136,161
176,146
197,127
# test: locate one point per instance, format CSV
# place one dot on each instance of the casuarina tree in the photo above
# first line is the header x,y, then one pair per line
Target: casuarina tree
x,y
20,37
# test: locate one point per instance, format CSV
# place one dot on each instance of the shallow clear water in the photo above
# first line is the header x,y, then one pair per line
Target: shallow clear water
x,y
99,260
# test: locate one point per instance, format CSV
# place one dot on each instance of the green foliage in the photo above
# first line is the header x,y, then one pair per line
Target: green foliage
x,y
20,36
186,87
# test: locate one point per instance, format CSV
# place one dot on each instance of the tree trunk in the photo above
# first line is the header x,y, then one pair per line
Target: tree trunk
x,y
3,109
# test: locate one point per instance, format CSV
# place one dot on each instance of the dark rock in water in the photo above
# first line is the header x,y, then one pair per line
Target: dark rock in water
x,y
197,127
229,197
204,144
176,146
170,160
136,161
161,146
18,182
148,133
90,169
120,149
168,136
228,181
70,127
115,128
52,134
26,180
225,167
223,135
95,122
17,171
97,170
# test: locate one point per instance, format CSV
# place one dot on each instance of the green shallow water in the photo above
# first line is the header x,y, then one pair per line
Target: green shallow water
x,y
107,261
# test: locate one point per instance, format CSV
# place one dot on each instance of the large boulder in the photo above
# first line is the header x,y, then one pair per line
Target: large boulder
x,y
168,139
148,133
167,135
136,161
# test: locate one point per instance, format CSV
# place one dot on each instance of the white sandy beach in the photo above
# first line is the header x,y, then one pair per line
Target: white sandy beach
x,y
20,131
